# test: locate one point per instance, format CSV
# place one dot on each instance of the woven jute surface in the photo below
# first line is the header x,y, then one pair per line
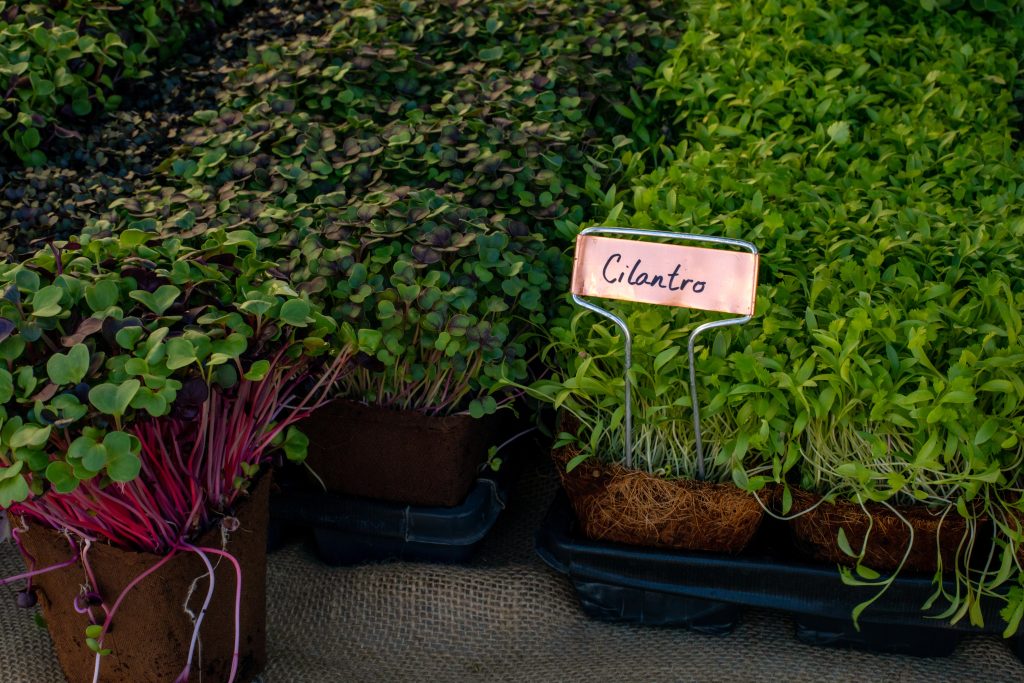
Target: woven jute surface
x,y
504,617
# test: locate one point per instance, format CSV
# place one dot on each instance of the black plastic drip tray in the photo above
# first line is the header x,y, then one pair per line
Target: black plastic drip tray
x,y
708,591
349,530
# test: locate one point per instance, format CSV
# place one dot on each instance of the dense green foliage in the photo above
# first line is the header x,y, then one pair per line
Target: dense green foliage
x,y
1000,10
408,167
883,187
870,153
590,385
106,333
61,61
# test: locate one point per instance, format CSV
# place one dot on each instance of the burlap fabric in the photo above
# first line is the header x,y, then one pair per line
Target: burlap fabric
x,y
505,617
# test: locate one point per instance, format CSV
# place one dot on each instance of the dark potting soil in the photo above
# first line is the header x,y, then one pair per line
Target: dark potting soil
x,y
151,631
399,456
114,155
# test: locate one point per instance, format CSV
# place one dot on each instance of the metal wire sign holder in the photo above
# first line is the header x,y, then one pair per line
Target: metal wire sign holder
x,y
669,275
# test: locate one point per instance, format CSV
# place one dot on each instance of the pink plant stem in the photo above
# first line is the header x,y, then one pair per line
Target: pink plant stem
x,y
136,581
238,604
243,426
219,452
16,539
168,499
129,522
37,572
89,495
199,445
139,496
30,509
159,463
89,574
183,676
202,459
179,460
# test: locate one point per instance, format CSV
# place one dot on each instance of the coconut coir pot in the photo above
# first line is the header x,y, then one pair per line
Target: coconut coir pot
x,y
397,455
150,633
935,535
613,503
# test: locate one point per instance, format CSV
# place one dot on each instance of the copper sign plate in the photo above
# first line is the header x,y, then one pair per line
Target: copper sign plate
x,y
666,274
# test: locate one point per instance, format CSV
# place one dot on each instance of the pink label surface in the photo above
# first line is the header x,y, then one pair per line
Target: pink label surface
x,y
666,274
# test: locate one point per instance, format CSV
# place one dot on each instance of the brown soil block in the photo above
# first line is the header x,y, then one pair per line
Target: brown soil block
x,y
613,503
816,533
151,632
397,455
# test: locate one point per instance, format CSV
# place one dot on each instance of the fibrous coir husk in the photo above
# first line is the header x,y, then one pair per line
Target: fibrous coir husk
x,y
398,455
935,535
613,503
150,633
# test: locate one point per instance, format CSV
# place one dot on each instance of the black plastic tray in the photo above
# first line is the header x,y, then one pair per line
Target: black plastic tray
x,y
708,592
347,530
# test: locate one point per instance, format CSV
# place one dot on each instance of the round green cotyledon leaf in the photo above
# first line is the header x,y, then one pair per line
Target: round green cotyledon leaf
x,y
152,402
46,302
69,368
13,487
257,370
92,455
180,353
11,472
62,476
6,386
123,463
232,346
295,312
296,445
30,436
128,337
101,295
158,301
113,399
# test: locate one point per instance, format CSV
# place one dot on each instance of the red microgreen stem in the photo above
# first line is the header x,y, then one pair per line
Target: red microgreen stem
x,y
134,582
117,603
37,572
192,473
189,475
238,604
183,676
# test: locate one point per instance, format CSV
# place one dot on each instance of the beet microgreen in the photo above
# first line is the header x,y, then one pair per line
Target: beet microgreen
x,y
145,383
